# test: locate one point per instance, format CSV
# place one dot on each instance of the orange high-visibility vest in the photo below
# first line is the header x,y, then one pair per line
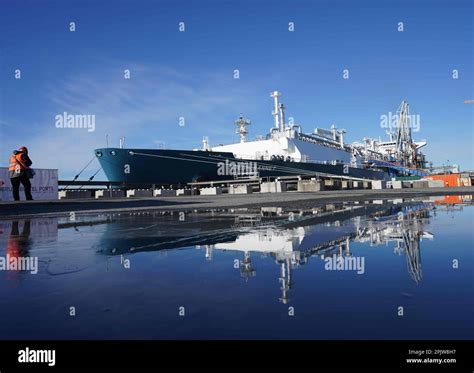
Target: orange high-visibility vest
x,y
16,164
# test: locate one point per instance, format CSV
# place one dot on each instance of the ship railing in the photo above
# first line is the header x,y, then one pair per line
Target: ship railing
x,y
331,162
254,157
266,157
322,141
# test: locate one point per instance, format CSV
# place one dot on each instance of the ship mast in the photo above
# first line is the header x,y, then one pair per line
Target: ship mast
x,y
278,112
242,124
282,117
276,109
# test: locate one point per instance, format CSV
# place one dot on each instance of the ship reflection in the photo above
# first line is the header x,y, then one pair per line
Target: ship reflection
x,y
401,226
290,237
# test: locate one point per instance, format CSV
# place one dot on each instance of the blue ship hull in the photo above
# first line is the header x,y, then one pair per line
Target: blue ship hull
x,y
179,167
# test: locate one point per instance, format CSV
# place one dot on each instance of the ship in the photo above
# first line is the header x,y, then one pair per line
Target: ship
x,y
286,151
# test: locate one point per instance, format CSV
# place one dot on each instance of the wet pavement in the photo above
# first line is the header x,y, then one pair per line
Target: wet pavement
x,y
379,269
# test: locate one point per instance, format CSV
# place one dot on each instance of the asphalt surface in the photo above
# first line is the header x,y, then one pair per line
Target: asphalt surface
x,y
21,209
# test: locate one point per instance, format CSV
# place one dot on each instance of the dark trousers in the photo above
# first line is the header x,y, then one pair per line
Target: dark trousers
x,y
23,179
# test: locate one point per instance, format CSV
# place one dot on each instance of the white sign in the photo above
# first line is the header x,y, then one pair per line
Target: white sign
x,y
44,185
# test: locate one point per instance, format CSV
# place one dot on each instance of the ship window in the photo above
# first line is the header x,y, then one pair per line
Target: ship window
x,y
113,152
98,154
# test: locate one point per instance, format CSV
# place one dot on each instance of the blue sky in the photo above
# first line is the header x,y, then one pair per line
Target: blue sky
x,y
190,73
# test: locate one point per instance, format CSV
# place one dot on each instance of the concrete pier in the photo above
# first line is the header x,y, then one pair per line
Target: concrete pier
x,y
329,183
184,192
240,189
396,184
435,183
379,184
106,193
74,194
164,193
10,209
139,193
210,191
346,184
273,187
310,186
420,184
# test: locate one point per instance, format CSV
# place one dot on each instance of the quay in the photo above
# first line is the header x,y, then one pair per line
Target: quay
x,y
122,204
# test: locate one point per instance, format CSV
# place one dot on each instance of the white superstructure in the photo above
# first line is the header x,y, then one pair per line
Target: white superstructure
x,y
286,141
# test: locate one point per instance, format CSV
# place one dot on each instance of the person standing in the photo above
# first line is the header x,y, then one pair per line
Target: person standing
x,y
20,173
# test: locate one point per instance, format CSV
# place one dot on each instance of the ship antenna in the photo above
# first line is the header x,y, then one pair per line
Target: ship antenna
x,y
242,124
